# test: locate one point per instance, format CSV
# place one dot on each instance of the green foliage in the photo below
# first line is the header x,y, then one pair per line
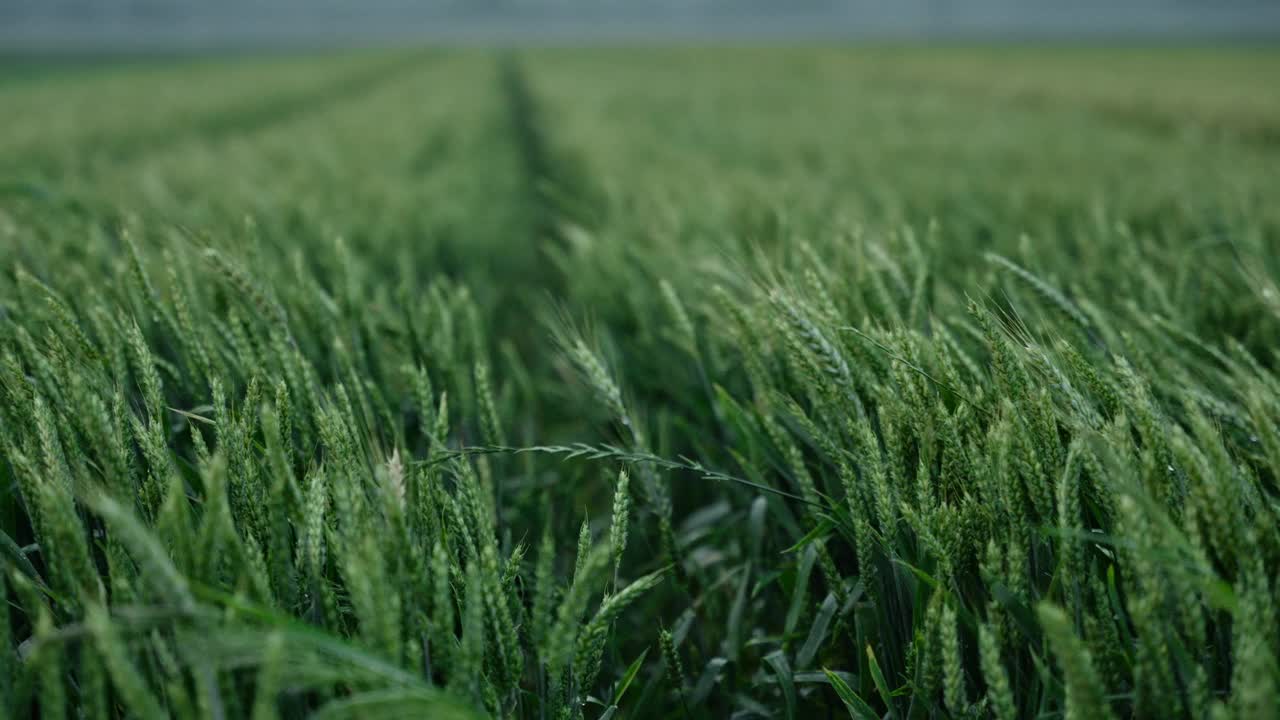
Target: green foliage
x,y
859,381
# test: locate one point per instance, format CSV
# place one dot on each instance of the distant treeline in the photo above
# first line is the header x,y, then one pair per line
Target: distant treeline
x,y
189,22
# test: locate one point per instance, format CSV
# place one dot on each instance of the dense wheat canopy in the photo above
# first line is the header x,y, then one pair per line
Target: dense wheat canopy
x,y
642,382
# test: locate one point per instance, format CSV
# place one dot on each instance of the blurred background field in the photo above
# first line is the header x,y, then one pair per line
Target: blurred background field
x,y
676,143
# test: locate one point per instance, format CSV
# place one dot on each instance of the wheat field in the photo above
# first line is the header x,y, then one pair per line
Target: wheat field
x,y
737,382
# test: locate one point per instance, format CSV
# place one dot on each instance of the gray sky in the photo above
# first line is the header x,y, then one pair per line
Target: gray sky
x,y
212,23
